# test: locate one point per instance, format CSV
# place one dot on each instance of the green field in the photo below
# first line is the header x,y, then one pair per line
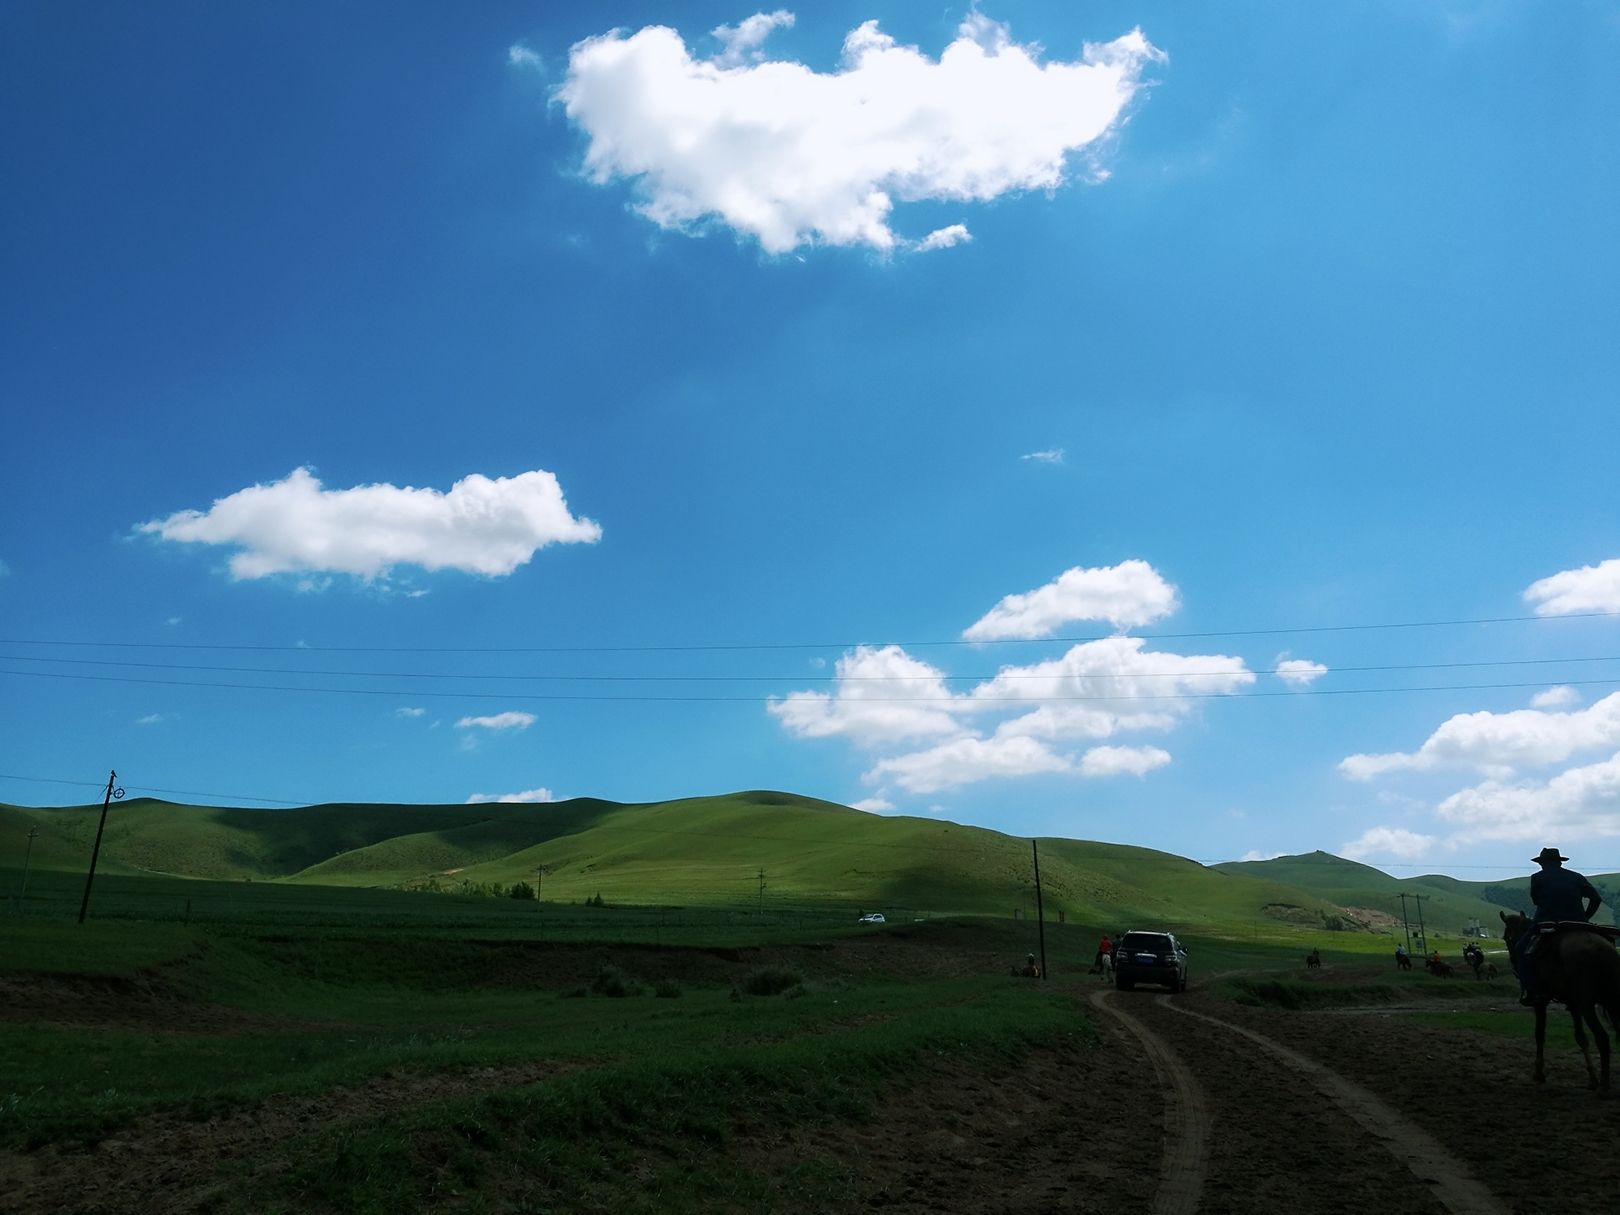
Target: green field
x,y
457,1045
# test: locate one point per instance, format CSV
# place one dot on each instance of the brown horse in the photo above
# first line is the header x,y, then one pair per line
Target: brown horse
x,y
1581,970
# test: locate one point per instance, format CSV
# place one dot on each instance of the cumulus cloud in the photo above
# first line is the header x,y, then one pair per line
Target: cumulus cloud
x,y
528,795
1117,761
873,805
1561,697
1499,743
741,43
511,720
483,525
964,761
1385,842
1299,673
791,156
944,238
1254,854
880,695
1579,803
1053,455
1592,588
1126,595
519,55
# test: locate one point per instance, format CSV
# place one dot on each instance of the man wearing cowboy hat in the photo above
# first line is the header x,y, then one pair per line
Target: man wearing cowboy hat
x,y
1559,894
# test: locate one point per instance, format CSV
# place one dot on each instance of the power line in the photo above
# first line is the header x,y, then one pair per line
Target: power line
x,y
419,693
826,645
795,678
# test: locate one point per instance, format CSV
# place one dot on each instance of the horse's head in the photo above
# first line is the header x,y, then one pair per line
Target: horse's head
x,y
1514,926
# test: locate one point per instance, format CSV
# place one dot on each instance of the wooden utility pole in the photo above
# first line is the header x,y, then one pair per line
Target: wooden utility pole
x,y
762,891
27,857
1040,916
95,852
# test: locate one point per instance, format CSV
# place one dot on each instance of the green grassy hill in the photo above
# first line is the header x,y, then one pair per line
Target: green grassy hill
x,y
1448,903
716,851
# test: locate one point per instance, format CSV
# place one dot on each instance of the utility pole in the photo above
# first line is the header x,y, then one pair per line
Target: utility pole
x,y
762,892
1423,937
1406,924
95,852
27,857
539,879
1039,914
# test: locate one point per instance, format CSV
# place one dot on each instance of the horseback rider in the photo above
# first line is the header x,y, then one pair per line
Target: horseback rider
x,y
1560,895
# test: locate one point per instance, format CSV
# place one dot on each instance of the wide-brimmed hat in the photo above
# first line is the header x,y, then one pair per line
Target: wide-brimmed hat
x,y
1548,854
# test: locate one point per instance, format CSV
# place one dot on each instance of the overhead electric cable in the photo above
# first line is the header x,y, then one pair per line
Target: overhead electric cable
x,y
827,645
965,701
797,678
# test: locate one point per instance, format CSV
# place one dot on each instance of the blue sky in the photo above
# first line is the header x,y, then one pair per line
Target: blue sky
x,y
966,414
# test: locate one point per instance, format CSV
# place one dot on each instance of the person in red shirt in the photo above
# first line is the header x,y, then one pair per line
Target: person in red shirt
x,y
1105,948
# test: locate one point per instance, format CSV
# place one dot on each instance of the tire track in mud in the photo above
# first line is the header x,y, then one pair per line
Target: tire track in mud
x,y
1424,1157
1185,1161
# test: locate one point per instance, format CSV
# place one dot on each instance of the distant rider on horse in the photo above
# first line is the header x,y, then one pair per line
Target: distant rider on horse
x,y
1559,895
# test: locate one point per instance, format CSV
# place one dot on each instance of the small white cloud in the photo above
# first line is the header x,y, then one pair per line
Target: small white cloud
x,y
1116,761
1387,841
740,43
1592,588
791,156
1299,673
407,711
528,795
1254,854
1125,595
1053,455
944,238
152,719
1561,697
873,805
518,55
481,526
511,720
173,620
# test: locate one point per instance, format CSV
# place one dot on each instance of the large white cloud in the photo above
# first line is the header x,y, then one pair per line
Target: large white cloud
x,y
1579,803
793,156
1095,690
1126,595
1592,588
1499,743
880,695
1387,841
483,525
963,761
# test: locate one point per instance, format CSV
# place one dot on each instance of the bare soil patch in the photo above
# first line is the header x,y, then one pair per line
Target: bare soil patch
x,y
145,1003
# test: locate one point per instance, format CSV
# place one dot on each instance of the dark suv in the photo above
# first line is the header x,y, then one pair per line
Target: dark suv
x,y
1150,957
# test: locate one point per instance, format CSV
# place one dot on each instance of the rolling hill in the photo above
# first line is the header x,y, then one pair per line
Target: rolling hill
x,y
735,850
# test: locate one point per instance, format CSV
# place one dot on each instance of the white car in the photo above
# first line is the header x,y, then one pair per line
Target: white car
x,y
872,917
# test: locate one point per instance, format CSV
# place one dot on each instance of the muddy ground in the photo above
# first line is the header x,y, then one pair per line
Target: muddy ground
x,y
1187,1103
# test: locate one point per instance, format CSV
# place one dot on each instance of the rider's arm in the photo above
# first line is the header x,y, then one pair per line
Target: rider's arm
x,y
1589,895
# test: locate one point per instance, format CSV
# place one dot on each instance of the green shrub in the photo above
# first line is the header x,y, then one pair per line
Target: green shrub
x,y
771,981
611,981
522,891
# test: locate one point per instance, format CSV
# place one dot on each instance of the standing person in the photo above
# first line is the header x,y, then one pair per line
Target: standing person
x,y
1105,948
1402,960
1559,894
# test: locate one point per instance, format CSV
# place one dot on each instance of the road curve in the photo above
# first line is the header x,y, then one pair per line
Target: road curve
x,y
1185,1162
1431,1163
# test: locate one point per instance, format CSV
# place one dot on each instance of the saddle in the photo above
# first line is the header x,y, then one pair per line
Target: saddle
x,y
1552,928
